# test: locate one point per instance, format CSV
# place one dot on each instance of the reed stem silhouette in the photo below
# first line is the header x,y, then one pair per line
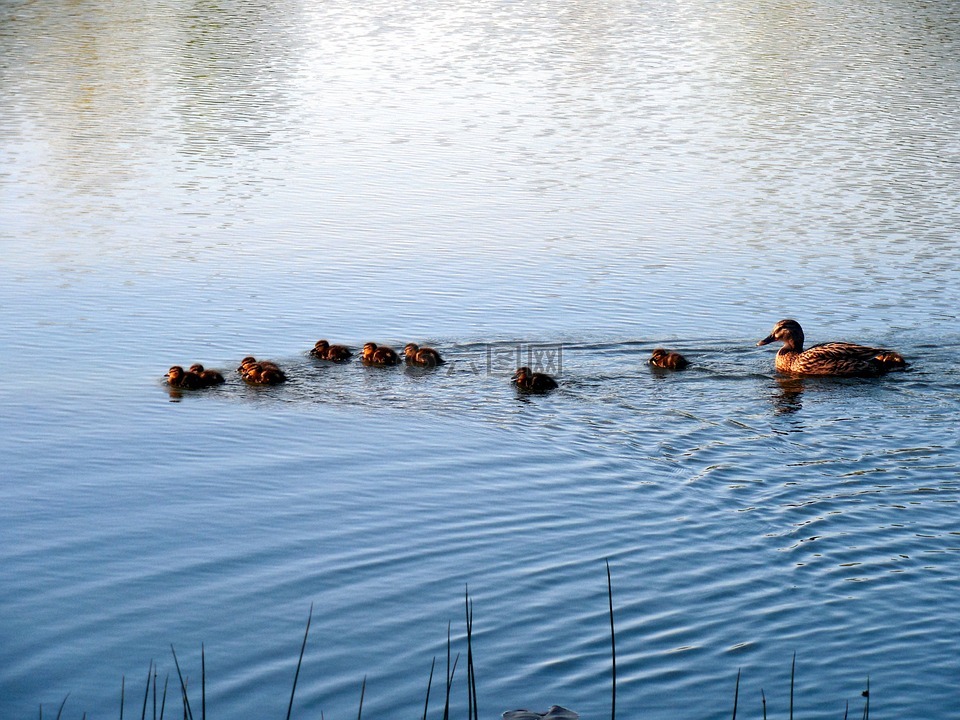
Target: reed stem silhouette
x,y
473,711
183,686
793,672
426,703
613,648
146,692
736,695
296,675
363,690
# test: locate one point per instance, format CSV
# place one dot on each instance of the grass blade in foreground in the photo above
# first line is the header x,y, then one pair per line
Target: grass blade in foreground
x,y
426,703
613,647
60,711
363,690
299,662
866,707
183,686
472,710
146,693
793,674
736,696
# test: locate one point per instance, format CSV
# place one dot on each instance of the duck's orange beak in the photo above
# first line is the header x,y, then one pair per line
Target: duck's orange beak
x,y
766,341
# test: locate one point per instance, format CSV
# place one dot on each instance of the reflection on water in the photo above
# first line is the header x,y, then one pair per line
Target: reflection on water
x,y
560,186
789,397
232,92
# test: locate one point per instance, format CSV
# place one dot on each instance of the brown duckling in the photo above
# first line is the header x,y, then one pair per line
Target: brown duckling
x,y
209,377
251,360
263,372
668,360
379,356
533,382
323,350
841,359
269,375
246,363
422,356
182,379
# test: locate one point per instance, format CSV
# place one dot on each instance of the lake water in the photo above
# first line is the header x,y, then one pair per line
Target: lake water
x,y
575,183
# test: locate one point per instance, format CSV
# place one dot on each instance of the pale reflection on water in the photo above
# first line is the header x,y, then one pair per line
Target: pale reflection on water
x,y
186,182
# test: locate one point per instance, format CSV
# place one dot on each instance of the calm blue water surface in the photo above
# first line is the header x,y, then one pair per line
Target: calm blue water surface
x,y
575,182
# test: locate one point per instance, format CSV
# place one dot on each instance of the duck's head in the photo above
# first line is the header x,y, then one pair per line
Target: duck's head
x,y
196,368
521,373
658,354
410,349
788,332
174,373
322,345
368,350
247,362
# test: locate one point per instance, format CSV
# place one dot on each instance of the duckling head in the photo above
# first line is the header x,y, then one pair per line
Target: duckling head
x,y
521,373
410,349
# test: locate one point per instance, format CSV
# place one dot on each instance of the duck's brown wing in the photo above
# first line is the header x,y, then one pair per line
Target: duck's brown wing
x,y
844,358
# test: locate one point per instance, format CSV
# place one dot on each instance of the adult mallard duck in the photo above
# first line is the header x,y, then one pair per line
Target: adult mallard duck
x,y
323,350
668,360
422,356
533,382
379,356
841,359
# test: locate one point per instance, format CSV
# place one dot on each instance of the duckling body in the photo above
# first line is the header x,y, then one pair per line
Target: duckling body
x,y
532,382
668,360
182,379
839,359
263,372
323,350
209,377
379,356
270,376
421,356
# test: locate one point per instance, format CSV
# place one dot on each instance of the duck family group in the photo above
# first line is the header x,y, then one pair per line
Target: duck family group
x,y
266,372
839,359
